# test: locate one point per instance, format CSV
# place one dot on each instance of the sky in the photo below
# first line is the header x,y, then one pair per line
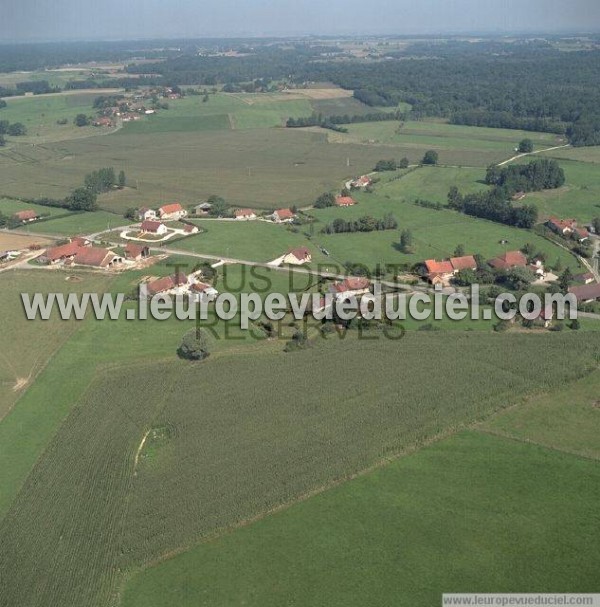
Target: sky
x,y
26,20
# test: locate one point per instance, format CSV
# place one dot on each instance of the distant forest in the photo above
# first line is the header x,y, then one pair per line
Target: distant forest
x,y
527,85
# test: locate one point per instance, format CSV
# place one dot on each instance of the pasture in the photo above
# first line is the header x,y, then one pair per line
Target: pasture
x,y
456,144
209,431
261,168
470,513
10,206
78,223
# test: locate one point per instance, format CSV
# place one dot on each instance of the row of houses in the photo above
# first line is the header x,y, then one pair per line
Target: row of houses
x,y
441,272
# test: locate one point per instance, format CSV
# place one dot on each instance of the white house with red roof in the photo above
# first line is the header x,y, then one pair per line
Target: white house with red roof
x,y
362,182
172,211
349,287
146,213
153,227
283,216
344,201
244,214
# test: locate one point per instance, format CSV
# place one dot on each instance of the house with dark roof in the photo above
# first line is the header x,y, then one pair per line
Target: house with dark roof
x,y
153,227
136,252
586,293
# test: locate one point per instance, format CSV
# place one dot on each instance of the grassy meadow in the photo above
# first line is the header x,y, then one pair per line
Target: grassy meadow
x,y
471,513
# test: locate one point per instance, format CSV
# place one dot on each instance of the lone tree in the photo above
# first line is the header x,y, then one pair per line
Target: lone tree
x,y
81,120
526,146
194,345
406,241
431,157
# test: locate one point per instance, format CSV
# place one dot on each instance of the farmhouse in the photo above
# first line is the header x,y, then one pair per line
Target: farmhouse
x,y
349,287
96,257
586,293
361,182
153,227
283,216
439,272
26,216
167,283
190,228
60,253
82,241
201,288
146,213
344,201
585,278
567,227
510,259
466,262
244,214
298,256
136,252
172,211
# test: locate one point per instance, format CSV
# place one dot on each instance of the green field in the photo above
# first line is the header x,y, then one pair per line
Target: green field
x,y
10,207
567,419
436,234
260,447
78,223
473,513
456,144
41,112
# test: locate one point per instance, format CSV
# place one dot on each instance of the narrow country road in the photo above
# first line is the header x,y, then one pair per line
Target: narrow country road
x,y
556,147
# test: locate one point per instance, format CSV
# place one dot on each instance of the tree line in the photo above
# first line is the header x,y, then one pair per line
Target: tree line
x,y
366,223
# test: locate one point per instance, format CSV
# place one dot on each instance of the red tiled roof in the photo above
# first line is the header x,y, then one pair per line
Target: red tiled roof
x,y
582,233
150,226
344,201
284,214
160,285
510,259
25,215
80,240
438,267
300,253
200,287
188,227
62,251
134,250
563,224
93,256
170,208
244,212
466,262
586,292
352,283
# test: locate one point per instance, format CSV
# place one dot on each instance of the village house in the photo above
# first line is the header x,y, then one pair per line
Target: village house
x,y
96,257
244,214
567,227
153,227
283,216
204,290
26,216
172,211
297,256
82,241
510,259
586,293
190,228
146,213
362,182
466,262
439,272
351,286
55,255
344,201
136,252
585,278
175,284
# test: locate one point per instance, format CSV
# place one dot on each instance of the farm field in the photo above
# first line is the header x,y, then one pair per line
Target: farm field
x,y
26,349
261,168
277,450
567,419
456,144
582,154
473,511
41,112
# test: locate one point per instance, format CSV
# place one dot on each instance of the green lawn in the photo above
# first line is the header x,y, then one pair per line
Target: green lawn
x,y
79,223
11,206
473,513
247,240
